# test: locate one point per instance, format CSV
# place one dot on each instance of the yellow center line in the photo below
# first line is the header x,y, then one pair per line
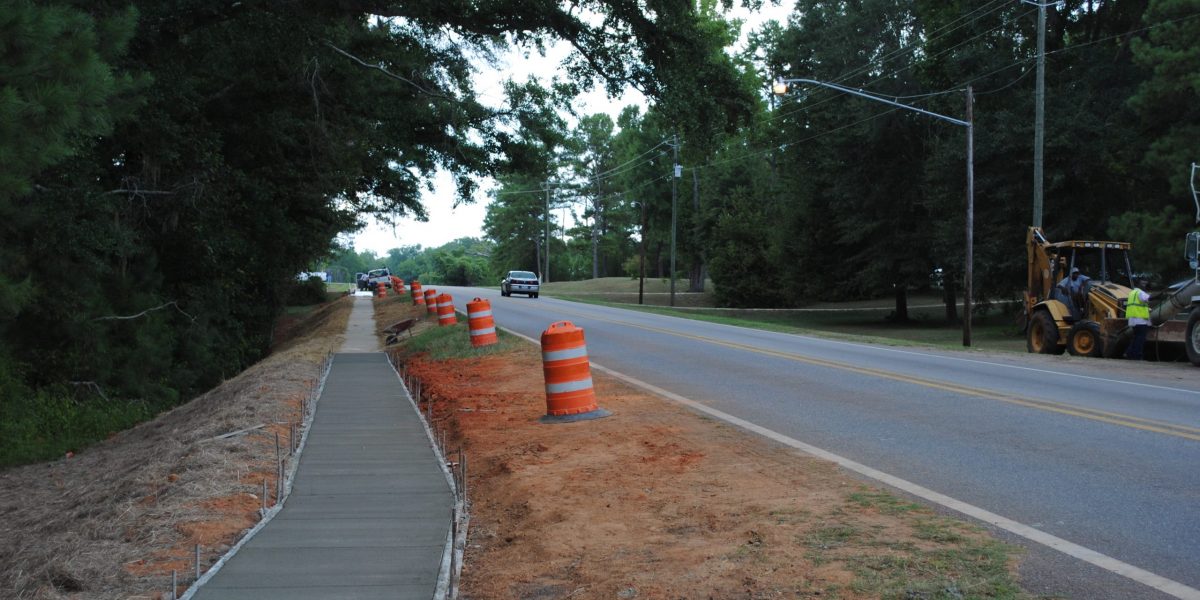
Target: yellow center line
x,y
1112,418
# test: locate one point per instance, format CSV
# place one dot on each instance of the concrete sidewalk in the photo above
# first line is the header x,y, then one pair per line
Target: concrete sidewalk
x,y
369,512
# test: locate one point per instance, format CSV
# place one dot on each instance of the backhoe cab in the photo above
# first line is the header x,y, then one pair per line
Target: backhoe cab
x,y
1087,319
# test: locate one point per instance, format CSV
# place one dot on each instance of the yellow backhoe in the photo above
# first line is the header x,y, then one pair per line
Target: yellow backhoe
x,y
1088,318
1084,319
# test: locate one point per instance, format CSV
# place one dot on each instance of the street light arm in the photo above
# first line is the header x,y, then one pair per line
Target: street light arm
x,y
862,94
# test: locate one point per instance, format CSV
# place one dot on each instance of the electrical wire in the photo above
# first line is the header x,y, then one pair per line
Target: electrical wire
x,y
824,96
830,95
956,89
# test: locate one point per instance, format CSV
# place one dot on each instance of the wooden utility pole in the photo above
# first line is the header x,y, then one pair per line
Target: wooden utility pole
x,y
642,260
968,291
546,274
674,206
699,270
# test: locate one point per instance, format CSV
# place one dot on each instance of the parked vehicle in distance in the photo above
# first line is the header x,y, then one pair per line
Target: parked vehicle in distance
x,y
381,276
520,282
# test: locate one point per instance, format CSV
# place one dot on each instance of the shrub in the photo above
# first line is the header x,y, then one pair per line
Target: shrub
x,y
307,292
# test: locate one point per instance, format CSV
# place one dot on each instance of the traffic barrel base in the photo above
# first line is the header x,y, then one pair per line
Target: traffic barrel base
x,y
599,413
570,395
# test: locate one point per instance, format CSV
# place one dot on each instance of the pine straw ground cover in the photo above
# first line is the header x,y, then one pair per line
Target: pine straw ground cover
x,y
660,502
117,518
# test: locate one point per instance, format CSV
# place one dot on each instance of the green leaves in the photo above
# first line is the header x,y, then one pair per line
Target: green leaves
x,y
1168,100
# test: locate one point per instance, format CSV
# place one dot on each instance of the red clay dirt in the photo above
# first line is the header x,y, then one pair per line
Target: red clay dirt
x,y
658,501
115,519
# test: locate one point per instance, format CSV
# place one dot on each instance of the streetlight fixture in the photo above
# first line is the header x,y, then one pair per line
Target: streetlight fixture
x,y
783,86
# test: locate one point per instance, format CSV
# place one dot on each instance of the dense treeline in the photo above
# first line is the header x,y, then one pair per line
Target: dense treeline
x,y
461,262
169,166
827,196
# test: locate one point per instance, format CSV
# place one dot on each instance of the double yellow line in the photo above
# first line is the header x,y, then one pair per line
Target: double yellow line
x,y
1112,418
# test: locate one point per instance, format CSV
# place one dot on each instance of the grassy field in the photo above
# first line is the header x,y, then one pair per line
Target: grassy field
x,y
624,290
862,320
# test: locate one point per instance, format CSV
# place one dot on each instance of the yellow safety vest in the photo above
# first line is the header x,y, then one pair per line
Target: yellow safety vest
x,y
1134,307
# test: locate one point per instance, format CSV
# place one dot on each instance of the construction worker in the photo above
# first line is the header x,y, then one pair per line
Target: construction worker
x,y
1137,310
1072,287
1074,282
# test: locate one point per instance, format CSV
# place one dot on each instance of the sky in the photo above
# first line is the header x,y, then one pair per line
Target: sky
x,y
446,222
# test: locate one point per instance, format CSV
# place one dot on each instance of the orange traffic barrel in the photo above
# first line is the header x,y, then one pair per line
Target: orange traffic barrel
x,y
445,310
431,301
480,323
569,392
380,290
398,286
417,294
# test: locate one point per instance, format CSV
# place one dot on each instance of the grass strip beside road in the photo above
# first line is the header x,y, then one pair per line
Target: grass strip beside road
x,y
993,331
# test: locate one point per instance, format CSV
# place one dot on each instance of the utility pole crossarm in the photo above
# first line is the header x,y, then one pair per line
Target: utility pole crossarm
x,y
870,96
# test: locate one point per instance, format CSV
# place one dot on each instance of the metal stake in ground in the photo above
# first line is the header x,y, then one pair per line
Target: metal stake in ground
x,y
197,561
453,545
462,474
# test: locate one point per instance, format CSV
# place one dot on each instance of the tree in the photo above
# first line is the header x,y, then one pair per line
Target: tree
x,y
515,224
192,177
1168,100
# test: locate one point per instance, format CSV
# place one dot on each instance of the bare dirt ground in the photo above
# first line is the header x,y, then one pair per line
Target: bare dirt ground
x,y
660,502
117,518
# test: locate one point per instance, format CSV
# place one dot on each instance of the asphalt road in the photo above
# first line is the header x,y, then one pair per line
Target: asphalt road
x,y
1104,454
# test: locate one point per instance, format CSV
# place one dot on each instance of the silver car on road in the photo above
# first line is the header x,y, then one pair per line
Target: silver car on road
x,y
520,282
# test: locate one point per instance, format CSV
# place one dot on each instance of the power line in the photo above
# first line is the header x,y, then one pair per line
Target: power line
x,y
830,95
956,89
841,79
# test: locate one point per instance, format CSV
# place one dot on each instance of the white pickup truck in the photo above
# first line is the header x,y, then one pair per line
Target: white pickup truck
x,y
367,281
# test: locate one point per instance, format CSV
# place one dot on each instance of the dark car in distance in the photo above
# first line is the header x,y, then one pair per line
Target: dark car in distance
x,y
520,282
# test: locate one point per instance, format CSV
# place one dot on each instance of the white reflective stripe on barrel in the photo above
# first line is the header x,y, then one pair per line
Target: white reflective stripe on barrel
x,y
564,354
483,331
570,386
476,315
441,304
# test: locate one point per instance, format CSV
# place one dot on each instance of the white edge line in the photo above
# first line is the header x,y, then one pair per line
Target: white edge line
x,y
1142,576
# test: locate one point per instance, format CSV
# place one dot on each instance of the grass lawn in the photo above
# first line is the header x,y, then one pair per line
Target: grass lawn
x,y
863,320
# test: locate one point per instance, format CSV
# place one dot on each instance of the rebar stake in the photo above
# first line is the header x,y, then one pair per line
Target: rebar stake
x,y
453,544
197,561
174,584
462,475
264,496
